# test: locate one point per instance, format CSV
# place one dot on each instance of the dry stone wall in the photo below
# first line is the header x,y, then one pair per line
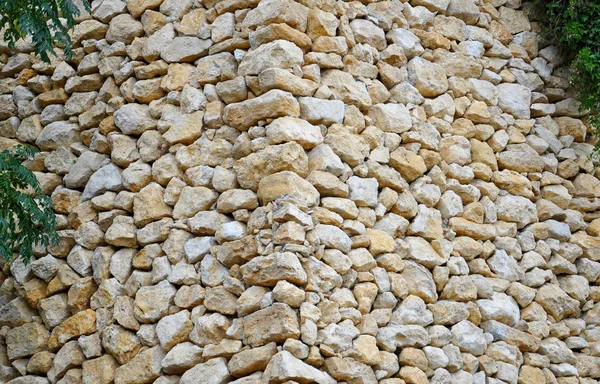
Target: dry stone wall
x,y
311,191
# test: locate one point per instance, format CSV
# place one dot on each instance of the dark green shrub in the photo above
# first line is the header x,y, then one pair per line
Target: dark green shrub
x,y
575,26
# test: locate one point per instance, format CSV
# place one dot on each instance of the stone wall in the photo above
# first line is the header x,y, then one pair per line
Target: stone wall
x,y
316,191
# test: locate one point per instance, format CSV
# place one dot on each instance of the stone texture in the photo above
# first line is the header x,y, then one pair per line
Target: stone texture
x,y
275,323
285,191
272,104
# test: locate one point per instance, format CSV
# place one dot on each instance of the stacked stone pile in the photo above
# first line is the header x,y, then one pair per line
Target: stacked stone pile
x,y
311,191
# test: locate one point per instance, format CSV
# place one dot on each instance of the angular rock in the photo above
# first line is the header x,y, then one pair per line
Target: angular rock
x,y
288,186
284,367
393,118
26,340
319,111
100,370
256,359
275,323
286,129
272,104
185,49
514,99
81,323
181,357
268,270
134,119
149,205
429,78
153,302
423,253
174,329
214,371
469,338
142,369
556,302
277,54
56,135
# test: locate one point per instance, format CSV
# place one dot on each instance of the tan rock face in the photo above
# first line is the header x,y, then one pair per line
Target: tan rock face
x,y
429,78
26,340
267,271
283,191
285,157
82,323
277,54
275,323
288,186
272,104
247,362
150,205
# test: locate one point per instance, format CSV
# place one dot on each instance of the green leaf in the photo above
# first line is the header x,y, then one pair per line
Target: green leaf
x,y
26,215
47,22
574,25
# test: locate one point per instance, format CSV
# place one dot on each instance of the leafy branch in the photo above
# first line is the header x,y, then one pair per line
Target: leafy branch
x,y
575,26
47,22
26,215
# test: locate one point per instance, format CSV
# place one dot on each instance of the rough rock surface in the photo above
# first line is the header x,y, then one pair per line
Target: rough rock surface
x,y
294,191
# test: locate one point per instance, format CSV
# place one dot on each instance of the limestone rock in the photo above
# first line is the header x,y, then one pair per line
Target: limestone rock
x,y
134,119
421,251
269,12
185,49
268,270
331,237
319,111
25,340
393,118
174,329
181,357
469,338
272,104
275,323
391,337
142,369
148,205
152,303
514,99
57,134
429,78
256,359
556,302
124,28
277,54
284,366
122,344
214,371
81,323
286,129
285,157
288,186
100,370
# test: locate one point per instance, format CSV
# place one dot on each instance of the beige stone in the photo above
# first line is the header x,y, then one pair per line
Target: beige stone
x,y
289,186
275,323
148,205
274,103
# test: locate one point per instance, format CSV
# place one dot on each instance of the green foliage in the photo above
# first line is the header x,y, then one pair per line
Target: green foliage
x,y
47,22
575,26
26,216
